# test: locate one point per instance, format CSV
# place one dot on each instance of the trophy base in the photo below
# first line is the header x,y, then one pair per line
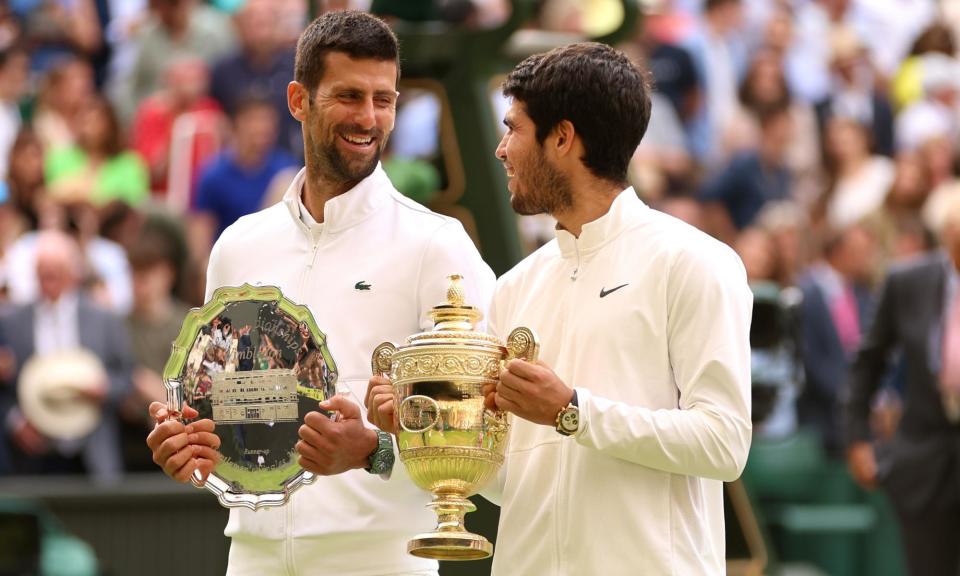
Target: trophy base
x,y
450,546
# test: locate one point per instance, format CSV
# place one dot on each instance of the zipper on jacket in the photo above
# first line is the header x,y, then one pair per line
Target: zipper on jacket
x,y
576,269
308,269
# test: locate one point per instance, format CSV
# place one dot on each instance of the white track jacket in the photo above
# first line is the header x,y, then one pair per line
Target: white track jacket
x,y
368,273
648,318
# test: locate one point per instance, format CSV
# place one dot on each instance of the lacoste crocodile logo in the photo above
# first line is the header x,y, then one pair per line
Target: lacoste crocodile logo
x,y
605,292
361,285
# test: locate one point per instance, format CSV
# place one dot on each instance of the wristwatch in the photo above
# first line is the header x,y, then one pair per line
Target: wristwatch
x,y
568,418
381,459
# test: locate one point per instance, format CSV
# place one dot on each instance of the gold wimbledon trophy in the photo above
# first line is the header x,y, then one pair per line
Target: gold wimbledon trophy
x,y
450,444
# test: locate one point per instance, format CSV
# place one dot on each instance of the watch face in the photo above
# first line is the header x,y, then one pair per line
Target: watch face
x,y
570,420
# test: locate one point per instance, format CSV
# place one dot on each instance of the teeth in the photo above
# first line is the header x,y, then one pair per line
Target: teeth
x,y
356,140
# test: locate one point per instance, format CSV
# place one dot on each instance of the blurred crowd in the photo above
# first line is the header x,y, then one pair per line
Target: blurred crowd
x,y
817,137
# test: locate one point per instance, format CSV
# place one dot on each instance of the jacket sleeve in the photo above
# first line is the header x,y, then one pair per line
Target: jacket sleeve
x,y
870,365
215,276
451,251
709,306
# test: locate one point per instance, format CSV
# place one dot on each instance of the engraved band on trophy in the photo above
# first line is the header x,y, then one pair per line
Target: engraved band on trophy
x,y
450,444
255,363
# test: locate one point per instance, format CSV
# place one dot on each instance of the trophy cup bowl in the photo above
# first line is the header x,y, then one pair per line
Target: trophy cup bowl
x,y
450,444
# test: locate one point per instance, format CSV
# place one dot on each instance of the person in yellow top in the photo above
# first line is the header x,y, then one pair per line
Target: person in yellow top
x,y
98,169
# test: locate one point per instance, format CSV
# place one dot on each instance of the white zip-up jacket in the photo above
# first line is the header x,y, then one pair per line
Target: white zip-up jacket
x,y
648,319
368,273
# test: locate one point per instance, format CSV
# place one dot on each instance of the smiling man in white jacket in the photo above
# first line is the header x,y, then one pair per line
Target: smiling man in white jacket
x,y
639,407
369,264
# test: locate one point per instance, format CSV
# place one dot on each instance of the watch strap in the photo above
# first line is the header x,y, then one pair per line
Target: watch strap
x,y
382,458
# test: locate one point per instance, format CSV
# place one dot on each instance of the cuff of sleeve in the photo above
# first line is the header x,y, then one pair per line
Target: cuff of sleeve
x,y
584,403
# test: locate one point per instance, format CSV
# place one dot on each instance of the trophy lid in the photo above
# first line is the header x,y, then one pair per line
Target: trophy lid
x,y
455,319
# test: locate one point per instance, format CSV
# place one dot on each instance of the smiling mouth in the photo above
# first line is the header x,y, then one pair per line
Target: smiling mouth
x,y
358,140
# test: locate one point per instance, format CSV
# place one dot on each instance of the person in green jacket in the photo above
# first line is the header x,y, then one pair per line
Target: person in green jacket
x,y
98,168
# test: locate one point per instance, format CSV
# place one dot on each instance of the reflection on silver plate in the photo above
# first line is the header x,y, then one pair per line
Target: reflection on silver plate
x,y
255,363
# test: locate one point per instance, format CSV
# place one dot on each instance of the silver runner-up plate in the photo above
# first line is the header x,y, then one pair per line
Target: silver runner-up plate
x,y
255,363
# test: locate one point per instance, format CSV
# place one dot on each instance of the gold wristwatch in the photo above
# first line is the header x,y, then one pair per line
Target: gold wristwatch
x,y
568,418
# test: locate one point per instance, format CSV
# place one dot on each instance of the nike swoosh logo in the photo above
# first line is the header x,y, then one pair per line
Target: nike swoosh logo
x,y
605,292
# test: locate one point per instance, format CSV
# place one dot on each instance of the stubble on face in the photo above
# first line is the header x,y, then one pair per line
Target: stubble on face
x,y
336,167
543,190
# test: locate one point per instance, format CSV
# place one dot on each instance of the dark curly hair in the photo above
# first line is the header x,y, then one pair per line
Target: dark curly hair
x,y
598,89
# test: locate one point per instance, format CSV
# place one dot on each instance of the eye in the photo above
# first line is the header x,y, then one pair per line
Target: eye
x,y
384,101
349,96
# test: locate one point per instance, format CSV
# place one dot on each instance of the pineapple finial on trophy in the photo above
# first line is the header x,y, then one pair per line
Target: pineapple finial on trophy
x,y
455,294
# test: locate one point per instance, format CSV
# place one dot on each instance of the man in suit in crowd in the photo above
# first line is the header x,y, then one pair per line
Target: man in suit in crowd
x,y
63,319
834,313
918,315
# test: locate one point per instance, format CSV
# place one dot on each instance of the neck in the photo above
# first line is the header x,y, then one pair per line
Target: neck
x,y
591,200
318,190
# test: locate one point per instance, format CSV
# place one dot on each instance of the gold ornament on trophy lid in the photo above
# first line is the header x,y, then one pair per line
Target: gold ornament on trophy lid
x,y
449,442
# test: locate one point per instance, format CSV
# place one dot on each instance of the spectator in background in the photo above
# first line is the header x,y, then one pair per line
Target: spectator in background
x,y
763,87
854,93
153,324
99,168
261,66
757,249
896,224
64,91
858,179
788,223
53,29
106,272
25,180
61,319
835,311
907,85
235,181
720,56
177,30
184,98
14,70
919,469
735,196
671,65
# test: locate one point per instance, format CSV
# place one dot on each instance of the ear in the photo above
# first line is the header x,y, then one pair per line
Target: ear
x,y
297,100
563,136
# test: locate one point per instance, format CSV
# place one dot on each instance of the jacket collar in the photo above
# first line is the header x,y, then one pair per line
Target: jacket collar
x,y
624,213
347,209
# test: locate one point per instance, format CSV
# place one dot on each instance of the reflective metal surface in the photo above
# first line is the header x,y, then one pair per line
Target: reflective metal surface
x,y
449,442
256,364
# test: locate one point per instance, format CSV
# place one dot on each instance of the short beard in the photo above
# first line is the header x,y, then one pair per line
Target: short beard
x,y
548,192
334,167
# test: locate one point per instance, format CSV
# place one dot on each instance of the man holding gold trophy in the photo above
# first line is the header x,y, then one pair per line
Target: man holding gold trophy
x,y
639,405
369,265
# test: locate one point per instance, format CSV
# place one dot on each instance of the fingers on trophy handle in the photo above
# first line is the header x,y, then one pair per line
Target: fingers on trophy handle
x,y
175,401
382,357
523,343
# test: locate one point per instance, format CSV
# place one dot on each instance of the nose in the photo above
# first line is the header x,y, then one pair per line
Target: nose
x,y
501,151
366,114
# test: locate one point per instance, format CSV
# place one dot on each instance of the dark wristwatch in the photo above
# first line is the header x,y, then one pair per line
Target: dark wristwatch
x,y
381,460
568,418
